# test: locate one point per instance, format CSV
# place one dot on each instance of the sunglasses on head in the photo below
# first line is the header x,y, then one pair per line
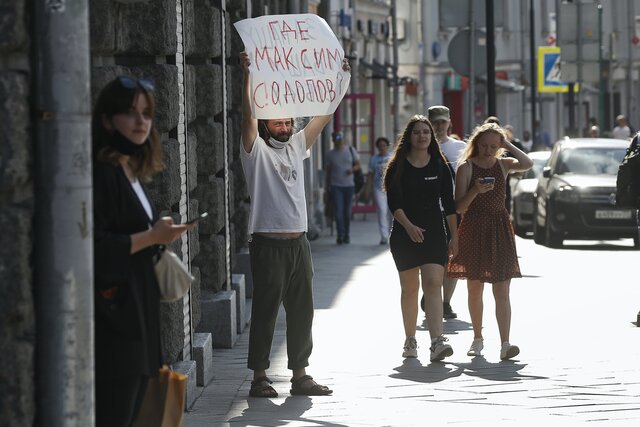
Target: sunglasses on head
x,y
131,83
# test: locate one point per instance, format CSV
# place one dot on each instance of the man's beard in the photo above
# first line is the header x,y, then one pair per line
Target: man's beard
x,y
282,136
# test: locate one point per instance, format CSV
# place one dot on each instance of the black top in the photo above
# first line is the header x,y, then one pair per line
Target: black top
x,y
127,321
421,191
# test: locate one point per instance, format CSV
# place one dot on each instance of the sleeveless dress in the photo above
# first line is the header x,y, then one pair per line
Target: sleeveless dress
x,y
486,242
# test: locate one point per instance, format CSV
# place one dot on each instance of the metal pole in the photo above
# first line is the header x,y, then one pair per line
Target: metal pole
x,y
601,82
424,14
629,101
396,95
63,247
472,68
491,59
354,89
579,91
534,64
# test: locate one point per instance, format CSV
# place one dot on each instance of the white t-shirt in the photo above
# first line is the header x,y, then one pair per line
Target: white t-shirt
x,y
275,178
622,132
452,149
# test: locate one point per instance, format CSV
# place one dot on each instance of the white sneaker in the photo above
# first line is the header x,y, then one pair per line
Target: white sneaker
x,y
508,351
440,350
476,347
410,347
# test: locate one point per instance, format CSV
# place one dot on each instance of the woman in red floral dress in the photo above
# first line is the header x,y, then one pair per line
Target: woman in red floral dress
x,y
487,251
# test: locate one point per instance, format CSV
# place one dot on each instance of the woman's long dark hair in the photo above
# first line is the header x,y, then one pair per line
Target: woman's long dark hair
x,y
114,99
402,149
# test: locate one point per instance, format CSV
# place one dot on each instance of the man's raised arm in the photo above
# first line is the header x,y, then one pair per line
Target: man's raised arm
x,y
316,124
249,124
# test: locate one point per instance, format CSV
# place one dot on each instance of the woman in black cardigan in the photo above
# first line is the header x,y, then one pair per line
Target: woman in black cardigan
x,y
126,152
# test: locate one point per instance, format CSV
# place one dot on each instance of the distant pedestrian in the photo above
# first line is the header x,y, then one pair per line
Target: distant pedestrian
x,y
377,166
526,141
440,118
492,119
487,251
272,155
417,181
541,138
341,163
622,130
127,152
594,131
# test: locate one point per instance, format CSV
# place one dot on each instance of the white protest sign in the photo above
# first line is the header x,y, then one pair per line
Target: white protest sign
x,y
296,66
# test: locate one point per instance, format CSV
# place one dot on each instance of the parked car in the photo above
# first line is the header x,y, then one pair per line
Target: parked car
x,y
576,193
523,187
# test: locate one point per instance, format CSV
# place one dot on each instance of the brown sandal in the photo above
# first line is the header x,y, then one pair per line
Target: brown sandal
x,y
260,387
313,390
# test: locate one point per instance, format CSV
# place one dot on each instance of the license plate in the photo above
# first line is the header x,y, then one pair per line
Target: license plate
x,y
613,214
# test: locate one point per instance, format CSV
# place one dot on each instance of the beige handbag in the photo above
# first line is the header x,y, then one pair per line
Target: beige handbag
x,y
174,279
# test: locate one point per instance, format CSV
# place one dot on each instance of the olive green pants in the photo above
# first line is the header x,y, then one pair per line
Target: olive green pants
x,y
282,272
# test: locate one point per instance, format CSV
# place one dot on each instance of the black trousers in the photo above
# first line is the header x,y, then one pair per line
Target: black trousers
x,y
282,274
118,400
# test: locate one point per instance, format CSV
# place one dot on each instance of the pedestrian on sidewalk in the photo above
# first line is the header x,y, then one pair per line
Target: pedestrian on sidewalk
x,y
127,231
279,251
417,181
440,118
375,183
341,163
487,250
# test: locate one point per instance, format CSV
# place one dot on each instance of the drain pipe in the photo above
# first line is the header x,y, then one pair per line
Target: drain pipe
x,y
63,223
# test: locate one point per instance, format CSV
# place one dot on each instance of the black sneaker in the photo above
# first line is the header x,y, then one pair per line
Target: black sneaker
x,y
447,312
346,240
339,241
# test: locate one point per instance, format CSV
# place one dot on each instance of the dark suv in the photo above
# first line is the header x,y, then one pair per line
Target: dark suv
x,y
576,194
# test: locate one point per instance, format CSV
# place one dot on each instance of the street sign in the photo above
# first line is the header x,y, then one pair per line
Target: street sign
x,y
568,23
549,70
458,53
589,72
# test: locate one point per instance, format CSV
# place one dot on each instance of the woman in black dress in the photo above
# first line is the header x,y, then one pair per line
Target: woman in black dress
x,y
126,152
418,181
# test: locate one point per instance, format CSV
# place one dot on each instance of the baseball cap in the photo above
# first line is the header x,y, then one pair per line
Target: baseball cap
x,y
438,112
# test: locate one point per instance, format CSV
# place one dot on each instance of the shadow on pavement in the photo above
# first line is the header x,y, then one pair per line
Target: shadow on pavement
x,y
506,370
413,370
449,327
266,410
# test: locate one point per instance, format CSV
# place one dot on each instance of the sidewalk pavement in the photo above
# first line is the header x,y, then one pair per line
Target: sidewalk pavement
x,y
566,378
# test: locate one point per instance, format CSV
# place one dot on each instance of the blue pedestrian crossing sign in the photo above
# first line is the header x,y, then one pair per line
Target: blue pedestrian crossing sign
x,y
549,74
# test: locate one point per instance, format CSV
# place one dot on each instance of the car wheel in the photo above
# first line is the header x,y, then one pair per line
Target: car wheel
x,y
538,236
552,240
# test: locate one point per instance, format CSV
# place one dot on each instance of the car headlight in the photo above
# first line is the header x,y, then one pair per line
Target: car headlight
x,y
567,194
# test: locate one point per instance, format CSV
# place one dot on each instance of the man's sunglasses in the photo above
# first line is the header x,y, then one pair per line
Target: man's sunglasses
x,y
131,83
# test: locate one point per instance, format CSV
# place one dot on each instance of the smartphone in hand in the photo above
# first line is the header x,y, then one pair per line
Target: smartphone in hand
x,y
198,218
488,180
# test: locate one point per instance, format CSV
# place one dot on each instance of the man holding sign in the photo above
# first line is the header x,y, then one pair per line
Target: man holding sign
x,y
272,155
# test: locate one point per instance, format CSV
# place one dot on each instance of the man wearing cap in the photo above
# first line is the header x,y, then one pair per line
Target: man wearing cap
x,y
621,131
440,119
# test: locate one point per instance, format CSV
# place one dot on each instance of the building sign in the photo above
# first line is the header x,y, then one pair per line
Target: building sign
x,y
549,75
296,66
